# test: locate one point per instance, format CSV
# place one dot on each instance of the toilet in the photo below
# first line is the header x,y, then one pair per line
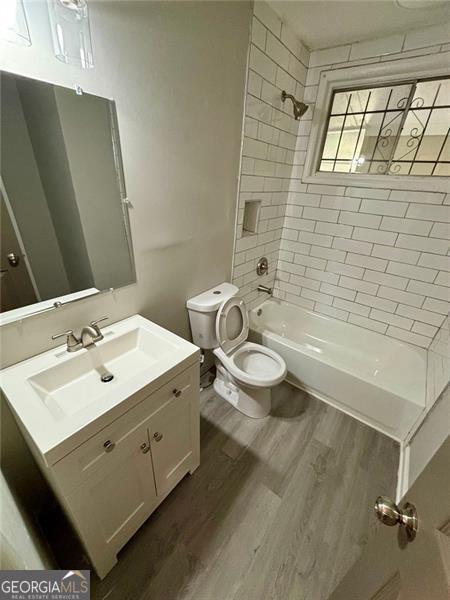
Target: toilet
x,y
246,372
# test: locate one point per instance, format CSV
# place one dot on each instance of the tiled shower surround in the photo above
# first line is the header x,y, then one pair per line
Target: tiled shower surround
x,y
277,62
377,258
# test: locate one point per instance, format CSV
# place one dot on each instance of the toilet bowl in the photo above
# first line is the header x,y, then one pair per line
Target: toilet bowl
x,y
246,372
253,365
245,376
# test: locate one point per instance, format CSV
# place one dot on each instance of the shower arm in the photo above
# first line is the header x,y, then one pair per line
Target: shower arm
x,y
284,95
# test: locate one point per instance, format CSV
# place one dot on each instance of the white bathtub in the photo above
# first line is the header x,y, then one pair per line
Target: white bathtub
x,y
372,377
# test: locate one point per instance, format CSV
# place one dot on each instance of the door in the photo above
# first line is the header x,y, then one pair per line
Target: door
x,y
393,568
16,287
171,441
118,496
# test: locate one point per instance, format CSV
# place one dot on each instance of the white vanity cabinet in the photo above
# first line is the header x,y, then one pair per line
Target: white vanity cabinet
x,y
111,450
110,484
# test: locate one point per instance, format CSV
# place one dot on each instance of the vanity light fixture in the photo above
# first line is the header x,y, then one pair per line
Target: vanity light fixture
x,y
13,23
71,33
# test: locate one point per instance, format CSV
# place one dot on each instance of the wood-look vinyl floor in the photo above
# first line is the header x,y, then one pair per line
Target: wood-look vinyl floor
x,y
278,509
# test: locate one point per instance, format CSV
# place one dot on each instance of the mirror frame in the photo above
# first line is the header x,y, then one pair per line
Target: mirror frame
x,y
125,205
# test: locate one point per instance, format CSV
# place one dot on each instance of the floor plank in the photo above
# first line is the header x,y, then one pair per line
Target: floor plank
x,y
278,509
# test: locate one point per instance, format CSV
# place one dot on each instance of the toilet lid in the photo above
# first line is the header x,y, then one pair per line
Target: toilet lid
x,y
232,324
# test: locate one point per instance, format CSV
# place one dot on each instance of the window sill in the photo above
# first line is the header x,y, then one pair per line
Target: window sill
x,y
391,182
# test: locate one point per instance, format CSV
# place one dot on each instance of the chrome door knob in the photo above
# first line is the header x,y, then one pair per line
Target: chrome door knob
x,y
157,436
390,514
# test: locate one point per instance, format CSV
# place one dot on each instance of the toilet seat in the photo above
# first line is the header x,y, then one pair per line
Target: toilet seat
x,y
254,365
251,364
232,324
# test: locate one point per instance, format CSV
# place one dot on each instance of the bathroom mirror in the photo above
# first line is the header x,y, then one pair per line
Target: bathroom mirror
x,y
64,215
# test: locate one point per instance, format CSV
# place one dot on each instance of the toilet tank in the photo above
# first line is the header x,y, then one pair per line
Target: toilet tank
x,y
202,314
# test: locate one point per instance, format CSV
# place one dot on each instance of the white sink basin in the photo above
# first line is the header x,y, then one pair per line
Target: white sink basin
x,y
70,386
60,399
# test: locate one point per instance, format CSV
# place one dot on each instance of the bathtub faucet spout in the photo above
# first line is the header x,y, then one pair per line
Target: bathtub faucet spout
x,y
264,288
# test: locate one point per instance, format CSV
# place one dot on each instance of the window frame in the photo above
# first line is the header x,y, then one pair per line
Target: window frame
x,y
375,75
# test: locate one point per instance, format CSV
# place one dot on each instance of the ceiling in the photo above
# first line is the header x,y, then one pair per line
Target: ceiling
x,y
326,23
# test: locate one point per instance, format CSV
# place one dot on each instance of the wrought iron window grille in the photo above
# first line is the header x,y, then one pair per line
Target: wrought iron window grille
x,y
396,129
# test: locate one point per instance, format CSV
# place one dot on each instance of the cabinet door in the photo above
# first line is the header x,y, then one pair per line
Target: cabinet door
x,y
115,500
171,441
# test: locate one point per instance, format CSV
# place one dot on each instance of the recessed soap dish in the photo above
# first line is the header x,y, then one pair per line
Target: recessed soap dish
x,y
252,209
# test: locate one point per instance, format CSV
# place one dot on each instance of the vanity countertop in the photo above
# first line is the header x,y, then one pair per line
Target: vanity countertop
x,y
60,400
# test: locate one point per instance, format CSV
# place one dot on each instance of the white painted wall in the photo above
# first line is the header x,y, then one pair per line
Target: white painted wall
x,y
176,71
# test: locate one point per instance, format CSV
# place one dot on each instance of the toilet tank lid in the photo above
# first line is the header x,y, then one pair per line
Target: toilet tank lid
x,y
210,300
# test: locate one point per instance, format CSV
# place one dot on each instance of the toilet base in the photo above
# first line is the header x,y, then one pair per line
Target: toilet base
x,y
252,402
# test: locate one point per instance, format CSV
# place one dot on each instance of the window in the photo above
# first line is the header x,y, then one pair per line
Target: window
x,y
395,129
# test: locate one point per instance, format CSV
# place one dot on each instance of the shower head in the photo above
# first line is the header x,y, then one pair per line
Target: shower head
x,y
299,107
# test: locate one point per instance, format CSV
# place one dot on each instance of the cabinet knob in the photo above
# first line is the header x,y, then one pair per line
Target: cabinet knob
x,y
109,446
176,393
145,447
157,436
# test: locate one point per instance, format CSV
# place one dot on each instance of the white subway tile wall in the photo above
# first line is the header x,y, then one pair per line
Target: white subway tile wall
x,y
393,282
376,258
278,61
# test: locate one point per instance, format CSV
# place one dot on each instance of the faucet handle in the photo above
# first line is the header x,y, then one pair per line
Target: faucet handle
x,y
73,343
94,323
65,333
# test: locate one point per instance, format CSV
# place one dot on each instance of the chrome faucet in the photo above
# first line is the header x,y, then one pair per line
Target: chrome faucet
x,y
89,335
264,288
72,342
